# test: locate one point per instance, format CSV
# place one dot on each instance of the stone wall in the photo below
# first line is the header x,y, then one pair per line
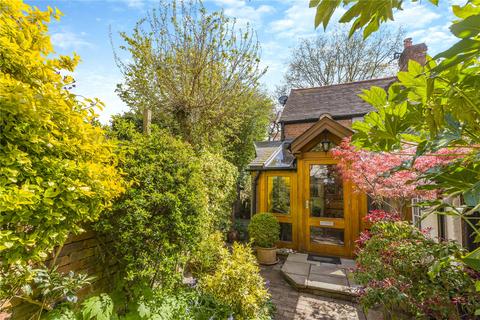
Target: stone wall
x,y
84,253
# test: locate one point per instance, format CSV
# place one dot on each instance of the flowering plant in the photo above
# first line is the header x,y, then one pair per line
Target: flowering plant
x,y
402,270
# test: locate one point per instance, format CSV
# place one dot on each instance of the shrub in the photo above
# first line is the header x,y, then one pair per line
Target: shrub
x,y
183,304
264,230
238,284
403,270
161,216
219,177
207,254
57,169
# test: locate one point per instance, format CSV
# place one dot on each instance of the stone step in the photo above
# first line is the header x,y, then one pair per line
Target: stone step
x,y
322,279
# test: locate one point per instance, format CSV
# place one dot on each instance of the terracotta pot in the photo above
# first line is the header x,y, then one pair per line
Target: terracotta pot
x,y
267,256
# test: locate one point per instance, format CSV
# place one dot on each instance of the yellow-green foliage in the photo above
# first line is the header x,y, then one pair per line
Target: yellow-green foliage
x,y
237,283
219,177
207,254
56,168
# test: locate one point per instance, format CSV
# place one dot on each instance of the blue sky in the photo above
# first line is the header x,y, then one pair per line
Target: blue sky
x,y
280,24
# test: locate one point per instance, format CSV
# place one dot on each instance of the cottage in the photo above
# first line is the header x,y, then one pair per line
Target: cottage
x,y
297,179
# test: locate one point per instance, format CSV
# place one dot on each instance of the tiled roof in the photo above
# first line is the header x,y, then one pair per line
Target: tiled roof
x,y
272,154
338,100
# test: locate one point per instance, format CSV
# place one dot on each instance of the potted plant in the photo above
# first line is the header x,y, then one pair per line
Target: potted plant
x,y
264,230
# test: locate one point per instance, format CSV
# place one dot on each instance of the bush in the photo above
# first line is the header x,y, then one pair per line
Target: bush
x,y
183,304
162,215
403,270
219,177
238,284
207,254
264,230
57,169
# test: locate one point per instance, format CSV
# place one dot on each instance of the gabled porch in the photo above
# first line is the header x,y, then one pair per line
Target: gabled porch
x,y
298,181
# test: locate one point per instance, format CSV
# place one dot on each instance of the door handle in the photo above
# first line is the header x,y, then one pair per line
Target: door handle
x,y
306,204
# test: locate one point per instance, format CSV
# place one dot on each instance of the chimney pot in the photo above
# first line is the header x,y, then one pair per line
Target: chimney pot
x,y
407,42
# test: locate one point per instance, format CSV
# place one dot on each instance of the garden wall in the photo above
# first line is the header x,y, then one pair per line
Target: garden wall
x,y
84,253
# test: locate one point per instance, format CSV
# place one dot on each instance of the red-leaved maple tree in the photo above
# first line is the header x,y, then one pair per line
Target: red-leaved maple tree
x,y
379,175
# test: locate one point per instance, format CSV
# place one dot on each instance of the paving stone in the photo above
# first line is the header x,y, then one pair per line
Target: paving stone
x,y
332,270
374,315
300,281
296,268
294,305
351,280
297,257
347,262
326,280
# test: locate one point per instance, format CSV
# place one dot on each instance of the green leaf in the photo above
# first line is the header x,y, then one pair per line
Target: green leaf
x,y
460,47
465,11
98,308
143,310
375,96
51,192
472,195
313,3
466,28
472,259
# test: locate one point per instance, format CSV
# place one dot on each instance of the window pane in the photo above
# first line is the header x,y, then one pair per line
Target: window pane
x,y
319,235
326,191
279,195
285,231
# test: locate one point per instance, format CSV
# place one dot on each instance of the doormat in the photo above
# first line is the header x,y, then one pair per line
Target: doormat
x,y
324,259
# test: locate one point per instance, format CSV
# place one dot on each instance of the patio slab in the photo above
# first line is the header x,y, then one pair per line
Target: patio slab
x,y
328,270
324,279
299,268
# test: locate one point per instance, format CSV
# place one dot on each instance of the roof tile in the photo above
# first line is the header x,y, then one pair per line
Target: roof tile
x,y
338,100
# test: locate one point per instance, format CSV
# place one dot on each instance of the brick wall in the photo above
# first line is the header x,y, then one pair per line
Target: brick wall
x,y
293,130
84,253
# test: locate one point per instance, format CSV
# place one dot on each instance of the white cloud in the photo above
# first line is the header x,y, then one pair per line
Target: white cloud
x,y
416,15
135,3
243,12
437,38
70,40
97,84
298,21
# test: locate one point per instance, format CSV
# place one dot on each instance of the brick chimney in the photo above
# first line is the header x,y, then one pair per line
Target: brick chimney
x,y
417,52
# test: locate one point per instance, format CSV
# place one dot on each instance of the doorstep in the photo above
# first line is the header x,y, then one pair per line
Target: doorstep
x,y
324,279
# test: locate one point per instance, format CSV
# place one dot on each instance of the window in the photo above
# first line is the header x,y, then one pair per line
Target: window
x,y
278,195
416,213
326,191
331,236
285,231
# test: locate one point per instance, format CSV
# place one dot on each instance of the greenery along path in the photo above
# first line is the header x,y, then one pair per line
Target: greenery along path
x,y
291,304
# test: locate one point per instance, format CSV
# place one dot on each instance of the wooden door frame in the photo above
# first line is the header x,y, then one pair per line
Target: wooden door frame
x,y
355,206
293,216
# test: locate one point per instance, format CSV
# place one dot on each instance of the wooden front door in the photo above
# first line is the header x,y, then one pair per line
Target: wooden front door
x,y
328,218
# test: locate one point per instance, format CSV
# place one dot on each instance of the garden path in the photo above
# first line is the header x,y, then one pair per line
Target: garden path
x,y
293,305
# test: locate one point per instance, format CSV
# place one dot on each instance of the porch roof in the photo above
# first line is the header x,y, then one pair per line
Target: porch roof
x,y
272,155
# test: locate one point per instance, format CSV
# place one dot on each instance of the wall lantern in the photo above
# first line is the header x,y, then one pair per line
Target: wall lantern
x,y
325,143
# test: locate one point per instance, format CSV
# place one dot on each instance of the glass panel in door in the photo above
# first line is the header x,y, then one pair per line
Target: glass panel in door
x,y
326,211
326,191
